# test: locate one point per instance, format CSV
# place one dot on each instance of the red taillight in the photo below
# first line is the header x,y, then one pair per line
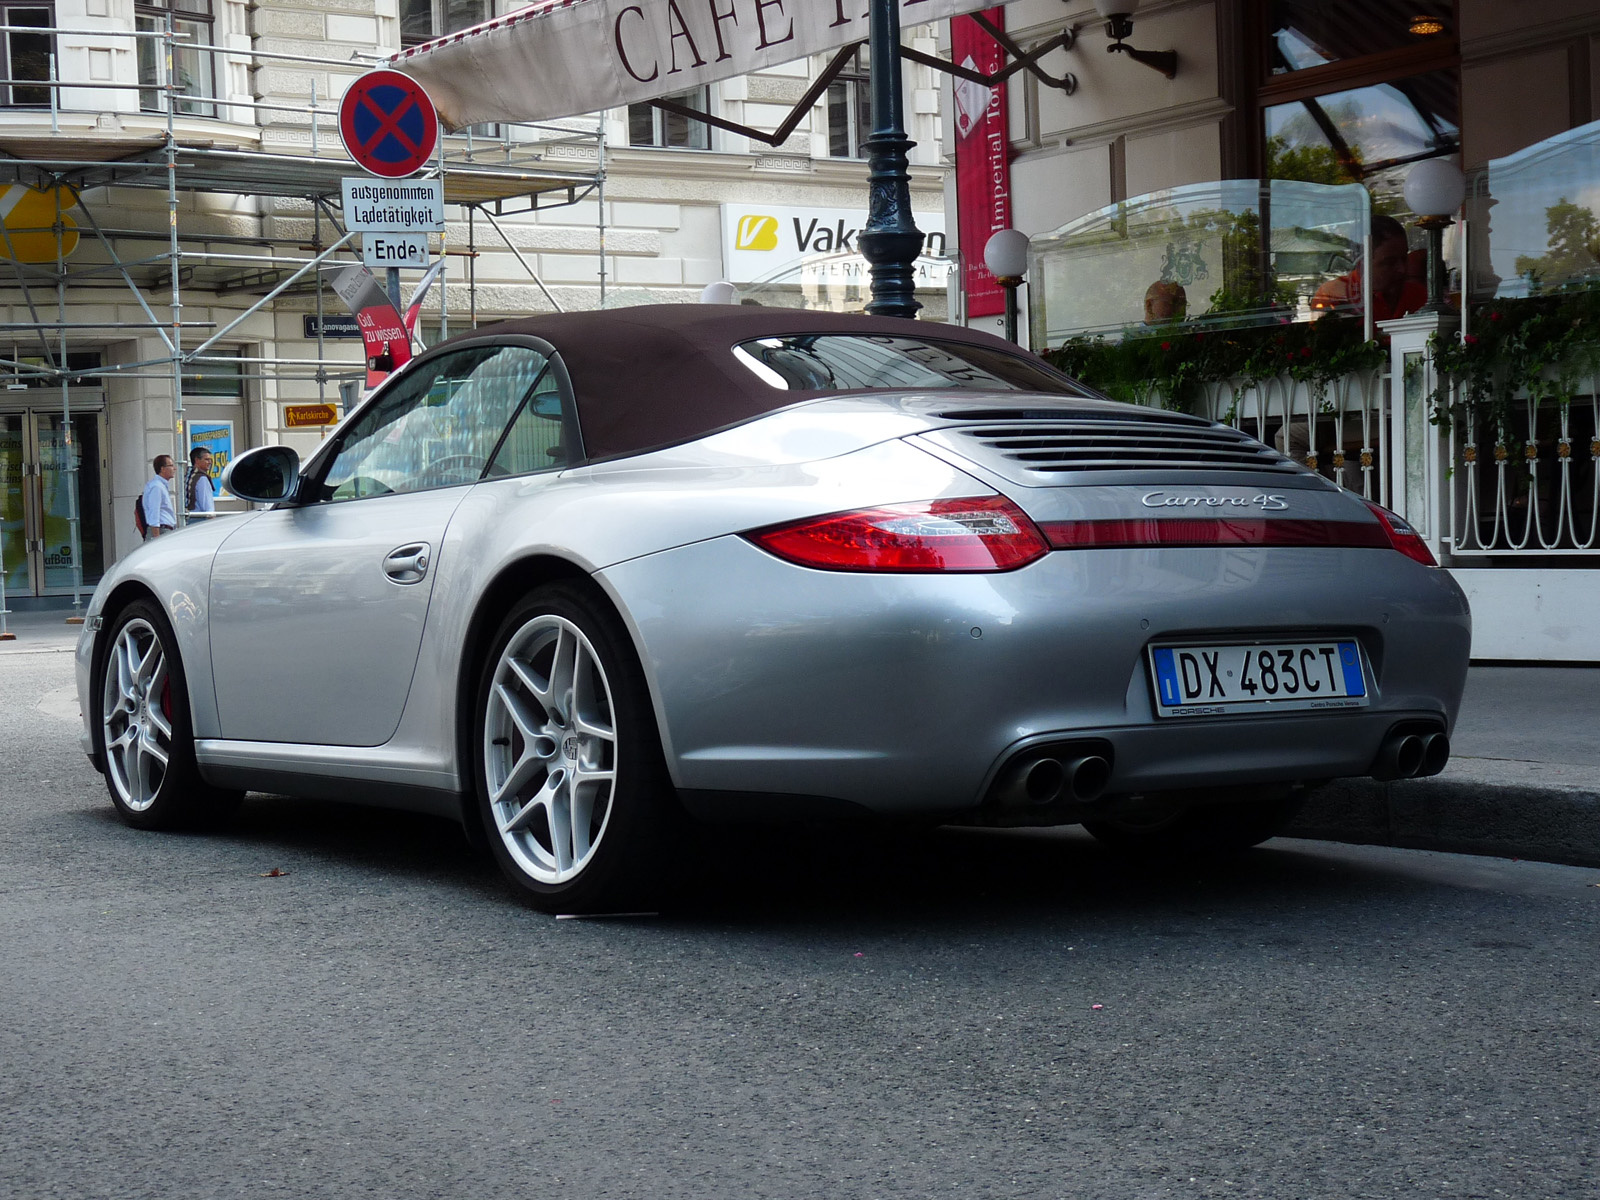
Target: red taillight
x,y
1401,536
1125,533
986,533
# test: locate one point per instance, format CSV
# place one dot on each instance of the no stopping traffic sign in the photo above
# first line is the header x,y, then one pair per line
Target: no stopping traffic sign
x,y
388,124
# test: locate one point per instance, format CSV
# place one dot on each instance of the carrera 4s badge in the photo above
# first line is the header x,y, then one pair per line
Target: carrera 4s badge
x,y
1262,501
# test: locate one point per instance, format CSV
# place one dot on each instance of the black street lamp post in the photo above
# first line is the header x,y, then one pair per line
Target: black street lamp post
x,y
891,241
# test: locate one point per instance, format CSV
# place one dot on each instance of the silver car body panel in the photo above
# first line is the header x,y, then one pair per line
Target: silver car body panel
x,y
597,517
296,588
384,766
176,570
904,692
899,693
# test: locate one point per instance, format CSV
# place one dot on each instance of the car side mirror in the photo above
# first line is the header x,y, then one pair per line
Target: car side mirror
x,y
264,475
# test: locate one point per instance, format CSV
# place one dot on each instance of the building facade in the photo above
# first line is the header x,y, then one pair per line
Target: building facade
x,y
172,218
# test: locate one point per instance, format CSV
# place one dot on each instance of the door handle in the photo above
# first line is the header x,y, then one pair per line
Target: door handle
x,y
408,563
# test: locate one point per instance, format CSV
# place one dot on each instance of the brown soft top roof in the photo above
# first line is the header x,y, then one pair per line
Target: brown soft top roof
x,y
659,374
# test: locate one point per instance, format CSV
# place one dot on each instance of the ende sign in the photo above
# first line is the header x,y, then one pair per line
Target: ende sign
x,y
394,249
768,243
562,59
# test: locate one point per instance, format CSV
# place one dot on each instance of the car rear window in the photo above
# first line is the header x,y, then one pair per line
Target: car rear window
x,y
827,362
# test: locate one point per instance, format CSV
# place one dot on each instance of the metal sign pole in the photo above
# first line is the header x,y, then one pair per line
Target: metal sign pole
x,y
67,446
180,449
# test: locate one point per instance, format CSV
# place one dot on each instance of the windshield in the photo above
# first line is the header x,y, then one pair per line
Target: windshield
x,y
832,362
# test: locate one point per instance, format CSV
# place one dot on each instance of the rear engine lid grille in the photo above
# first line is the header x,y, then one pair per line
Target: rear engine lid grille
x,y
1043,451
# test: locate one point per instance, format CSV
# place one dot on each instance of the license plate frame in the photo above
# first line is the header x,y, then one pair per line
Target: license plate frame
x,y
1211,679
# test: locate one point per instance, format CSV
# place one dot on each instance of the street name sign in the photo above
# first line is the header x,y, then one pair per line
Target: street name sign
x,y
394,249
398,206
331,325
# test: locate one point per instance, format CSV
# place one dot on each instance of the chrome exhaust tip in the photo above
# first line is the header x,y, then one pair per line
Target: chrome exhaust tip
x,y
1400,757
1435,754
1043,781
1047,776
1031,782
1086,777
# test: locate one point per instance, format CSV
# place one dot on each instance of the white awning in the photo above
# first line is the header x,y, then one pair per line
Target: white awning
x,y
562,58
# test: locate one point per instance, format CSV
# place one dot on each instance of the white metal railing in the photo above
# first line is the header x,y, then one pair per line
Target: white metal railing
x,y
1526,482
1341,431
1490,487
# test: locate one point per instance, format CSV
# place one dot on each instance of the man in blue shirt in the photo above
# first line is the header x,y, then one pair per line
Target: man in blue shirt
x,y
199,496
159,515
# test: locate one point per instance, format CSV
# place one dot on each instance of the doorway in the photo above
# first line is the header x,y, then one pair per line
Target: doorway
x,y
52,501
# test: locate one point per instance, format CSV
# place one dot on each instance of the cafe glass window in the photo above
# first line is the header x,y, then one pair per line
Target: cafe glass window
x,y
1359,91
193,66
27,53
652,126
1306,34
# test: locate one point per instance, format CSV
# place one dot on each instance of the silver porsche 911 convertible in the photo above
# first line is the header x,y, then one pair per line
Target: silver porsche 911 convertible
x,y
581,582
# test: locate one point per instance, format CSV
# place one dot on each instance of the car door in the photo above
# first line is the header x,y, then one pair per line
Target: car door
x,y
317,609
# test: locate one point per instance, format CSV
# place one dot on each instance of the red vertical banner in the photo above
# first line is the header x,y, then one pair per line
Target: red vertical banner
x,y
983,159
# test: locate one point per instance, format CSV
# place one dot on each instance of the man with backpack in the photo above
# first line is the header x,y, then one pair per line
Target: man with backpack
x,y
156,502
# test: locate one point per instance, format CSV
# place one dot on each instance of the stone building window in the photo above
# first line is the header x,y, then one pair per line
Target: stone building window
x,y
651,126
193,71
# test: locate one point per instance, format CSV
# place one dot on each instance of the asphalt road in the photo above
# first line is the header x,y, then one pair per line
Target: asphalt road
x,y
954,1013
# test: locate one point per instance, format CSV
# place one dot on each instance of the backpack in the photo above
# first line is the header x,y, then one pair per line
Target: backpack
x,y
138,516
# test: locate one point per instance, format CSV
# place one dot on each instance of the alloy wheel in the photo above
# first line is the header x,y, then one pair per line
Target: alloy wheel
x,y
136,715
550,749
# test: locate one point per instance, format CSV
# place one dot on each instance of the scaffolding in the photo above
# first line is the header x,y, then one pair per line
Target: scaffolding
x,y
507,171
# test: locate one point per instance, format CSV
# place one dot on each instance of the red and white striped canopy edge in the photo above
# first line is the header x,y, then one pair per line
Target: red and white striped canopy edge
x,y
563,58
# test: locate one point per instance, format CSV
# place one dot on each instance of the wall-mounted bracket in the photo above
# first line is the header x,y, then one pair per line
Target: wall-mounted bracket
x,y
1021,60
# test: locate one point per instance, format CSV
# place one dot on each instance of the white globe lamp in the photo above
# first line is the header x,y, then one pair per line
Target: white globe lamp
x,y
1006,256
1434,190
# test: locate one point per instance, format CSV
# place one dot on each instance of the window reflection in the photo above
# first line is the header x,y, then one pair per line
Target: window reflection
x,y
652,126
840,362
1367,135
437,425
537,439
28,54
1312,33
1239,252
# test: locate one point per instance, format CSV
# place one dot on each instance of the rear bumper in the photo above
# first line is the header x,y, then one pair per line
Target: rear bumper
x,y
905,694
1241,751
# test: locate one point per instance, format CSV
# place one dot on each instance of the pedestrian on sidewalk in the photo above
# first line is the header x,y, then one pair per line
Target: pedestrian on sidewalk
x,y
199,494
159,515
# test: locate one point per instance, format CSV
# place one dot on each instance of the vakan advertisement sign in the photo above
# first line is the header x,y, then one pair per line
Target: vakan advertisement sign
x,y
763,242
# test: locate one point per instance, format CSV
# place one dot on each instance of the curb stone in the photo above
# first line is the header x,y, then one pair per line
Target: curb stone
x,y
1532,810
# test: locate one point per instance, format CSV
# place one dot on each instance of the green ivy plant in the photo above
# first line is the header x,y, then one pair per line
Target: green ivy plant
x,y
1538,345
1176,362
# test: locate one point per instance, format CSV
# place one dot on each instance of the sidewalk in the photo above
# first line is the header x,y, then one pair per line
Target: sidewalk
x,y
1523,779
43,630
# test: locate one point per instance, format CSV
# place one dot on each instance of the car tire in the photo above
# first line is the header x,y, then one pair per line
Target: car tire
x,y
144,734
572,786
1200,831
